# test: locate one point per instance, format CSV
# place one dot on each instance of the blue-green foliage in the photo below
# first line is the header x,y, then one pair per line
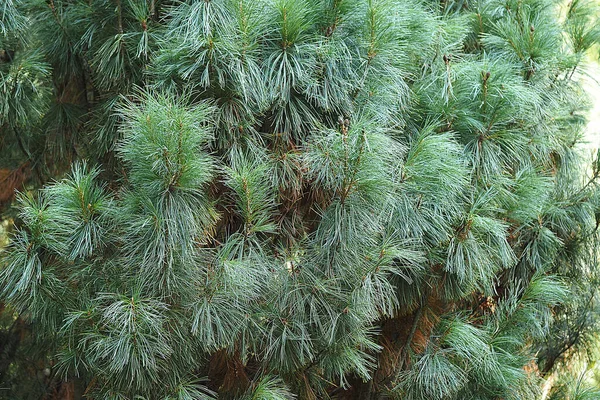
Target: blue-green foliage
x,y
300,199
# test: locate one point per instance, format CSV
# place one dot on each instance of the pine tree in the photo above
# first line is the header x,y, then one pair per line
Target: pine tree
x,y
278,199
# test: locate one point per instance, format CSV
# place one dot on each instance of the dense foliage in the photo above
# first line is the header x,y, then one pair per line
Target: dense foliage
x,y
277,199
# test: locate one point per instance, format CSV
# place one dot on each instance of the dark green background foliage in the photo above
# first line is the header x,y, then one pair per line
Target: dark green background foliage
x,y
271,199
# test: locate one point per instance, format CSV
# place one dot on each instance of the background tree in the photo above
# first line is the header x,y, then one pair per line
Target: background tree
x,y
278,199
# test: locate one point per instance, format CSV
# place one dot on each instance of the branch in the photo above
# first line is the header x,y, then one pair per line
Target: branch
x,y
411,335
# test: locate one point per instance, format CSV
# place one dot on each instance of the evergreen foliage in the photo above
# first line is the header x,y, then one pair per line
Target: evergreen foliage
x,y
279,199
